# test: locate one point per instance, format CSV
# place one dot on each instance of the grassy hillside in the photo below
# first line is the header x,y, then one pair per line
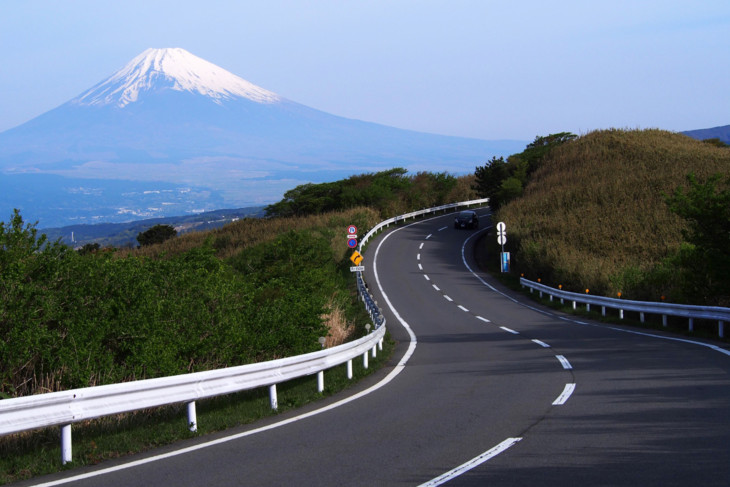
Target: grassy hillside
x,y
594,215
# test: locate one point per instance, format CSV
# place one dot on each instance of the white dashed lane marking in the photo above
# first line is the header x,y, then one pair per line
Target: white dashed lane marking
x,y
564,362
565,395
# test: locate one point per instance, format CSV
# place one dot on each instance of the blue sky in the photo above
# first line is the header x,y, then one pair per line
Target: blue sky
x,y
475,68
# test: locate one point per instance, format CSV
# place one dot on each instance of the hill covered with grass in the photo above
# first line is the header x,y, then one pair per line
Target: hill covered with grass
x,y
595,215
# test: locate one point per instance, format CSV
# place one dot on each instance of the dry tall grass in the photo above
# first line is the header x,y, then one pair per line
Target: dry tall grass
x,y
340,329
596,207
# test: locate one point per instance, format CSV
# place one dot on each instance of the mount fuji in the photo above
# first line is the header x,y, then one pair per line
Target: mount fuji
x,y
171,133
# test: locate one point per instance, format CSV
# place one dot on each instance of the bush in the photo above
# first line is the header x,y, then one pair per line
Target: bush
x,y
156,235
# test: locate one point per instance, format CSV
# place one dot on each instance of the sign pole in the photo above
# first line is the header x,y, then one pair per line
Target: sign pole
x,y
501,240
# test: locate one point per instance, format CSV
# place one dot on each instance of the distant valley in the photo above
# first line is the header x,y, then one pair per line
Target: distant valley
x,y
125,234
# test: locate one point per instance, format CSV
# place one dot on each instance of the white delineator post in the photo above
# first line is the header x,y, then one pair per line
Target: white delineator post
x,y
66,443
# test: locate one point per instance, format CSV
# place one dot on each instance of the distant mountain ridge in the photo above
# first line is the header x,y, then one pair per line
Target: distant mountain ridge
x,y
125,234
171,119
722,133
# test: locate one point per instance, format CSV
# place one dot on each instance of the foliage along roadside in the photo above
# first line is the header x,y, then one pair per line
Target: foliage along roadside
x,y
597,214
391,192
73,320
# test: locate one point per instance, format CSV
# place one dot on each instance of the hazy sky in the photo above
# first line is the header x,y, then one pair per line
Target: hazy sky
x,y
476,68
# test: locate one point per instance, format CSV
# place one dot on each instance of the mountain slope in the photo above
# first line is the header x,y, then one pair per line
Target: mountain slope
x,y
171,117
722,133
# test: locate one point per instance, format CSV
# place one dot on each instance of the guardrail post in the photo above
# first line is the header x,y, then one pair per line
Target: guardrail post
x,y
641,316
375,353
588,306
320,381
691,324
603,311
192,417
273,400
349,369
574,305
365,359
721,329
621,314
664,320
66,443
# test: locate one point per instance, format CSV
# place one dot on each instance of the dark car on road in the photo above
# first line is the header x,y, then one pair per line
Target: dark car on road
x,y
466,219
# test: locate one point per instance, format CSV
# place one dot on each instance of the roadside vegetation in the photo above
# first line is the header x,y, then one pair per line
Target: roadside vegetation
x,y
257,289
644,213
72,319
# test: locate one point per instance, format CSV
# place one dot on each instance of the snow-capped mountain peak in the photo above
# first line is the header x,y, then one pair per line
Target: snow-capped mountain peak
x,y
176,69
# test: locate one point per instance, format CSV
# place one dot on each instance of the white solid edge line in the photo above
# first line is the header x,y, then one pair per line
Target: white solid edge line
x,y
571,320
565,395
474,462
393,373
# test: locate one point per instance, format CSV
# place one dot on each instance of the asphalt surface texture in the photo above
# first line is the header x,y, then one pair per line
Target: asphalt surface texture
x,y
485,388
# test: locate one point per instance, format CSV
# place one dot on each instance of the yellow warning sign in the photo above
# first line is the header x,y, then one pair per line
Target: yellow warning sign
x,y
356,257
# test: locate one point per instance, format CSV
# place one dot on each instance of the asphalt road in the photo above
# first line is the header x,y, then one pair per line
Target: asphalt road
x,y
485,388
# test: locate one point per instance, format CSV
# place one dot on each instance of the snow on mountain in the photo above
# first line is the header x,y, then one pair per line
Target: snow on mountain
x,y
175,69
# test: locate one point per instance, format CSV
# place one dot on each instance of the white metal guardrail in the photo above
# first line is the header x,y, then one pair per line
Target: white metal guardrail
x,y
715,313
403,218
67,407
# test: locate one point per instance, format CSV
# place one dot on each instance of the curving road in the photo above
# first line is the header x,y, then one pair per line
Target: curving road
x,y
485,388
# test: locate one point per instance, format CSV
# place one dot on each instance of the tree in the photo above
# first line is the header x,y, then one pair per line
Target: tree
x,y
156,234
706,260
488,179
502,181
707,211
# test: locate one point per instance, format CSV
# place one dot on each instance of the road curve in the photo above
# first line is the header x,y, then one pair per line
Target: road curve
x,y
485,388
